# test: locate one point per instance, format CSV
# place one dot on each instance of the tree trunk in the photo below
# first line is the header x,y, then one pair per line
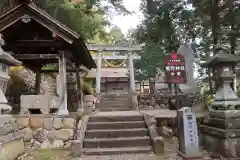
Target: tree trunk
x,y
214,22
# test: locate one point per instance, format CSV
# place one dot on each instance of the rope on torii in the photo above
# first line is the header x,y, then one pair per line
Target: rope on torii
x,y
115,66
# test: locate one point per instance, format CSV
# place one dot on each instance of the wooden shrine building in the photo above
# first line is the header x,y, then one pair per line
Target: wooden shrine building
x,y
34,37
113,80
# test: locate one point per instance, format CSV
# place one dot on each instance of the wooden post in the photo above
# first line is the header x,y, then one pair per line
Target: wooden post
x,y
98,77
37,81
106,86
79,92
63,80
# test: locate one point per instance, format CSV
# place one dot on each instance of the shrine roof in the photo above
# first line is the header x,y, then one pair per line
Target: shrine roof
x,y
109,73
76,45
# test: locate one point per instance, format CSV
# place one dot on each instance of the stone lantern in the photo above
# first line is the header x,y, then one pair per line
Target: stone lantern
x,y
221,132
6,60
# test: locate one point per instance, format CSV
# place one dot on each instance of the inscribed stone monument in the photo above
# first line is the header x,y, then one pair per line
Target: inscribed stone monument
x,y
187,51
188,133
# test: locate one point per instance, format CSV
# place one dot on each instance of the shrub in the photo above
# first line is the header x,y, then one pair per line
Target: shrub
x,y
88,87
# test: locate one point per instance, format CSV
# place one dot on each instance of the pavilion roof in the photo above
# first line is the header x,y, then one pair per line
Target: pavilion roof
x,y
76,45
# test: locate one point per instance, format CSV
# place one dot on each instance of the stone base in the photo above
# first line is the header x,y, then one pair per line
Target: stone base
x,y
197,156
156,139
221,141
63,112
5,108
12,150
47,131
44,103
11,146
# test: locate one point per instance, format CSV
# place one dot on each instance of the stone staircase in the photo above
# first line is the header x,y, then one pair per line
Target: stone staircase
x,y
115,103
106,135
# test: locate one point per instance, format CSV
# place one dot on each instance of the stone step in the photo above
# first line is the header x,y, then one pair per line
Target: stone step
x,y
116,118
105,105
116,142
114,98
113,133
116,125
108,109
121,150
115,104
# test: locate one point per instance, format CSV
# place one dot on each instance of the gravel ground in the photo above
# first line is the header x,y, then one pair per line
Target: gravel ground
x,y
150,156
140,157
124,157
170,154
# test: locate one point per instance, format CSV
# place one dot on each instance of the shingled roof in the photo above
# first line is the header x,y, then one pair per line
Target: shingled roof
x,y
26,7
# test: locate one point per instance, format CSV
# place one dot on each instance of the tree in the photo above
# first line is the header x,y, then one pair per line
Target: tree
x,y
171,23
159,31
117,36
87,17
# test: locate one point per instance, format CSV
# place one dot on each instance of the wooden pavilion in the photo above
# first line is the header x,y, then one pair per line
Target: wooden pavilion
x,y
34,37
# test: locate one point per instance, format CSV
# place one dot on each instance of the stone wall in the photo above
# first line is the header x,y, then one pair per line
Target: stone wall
x,y
10,138
46,131
171,122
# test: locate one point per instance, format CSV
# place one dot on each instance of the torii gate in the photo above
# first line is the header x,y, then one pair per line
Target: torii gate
x,y
100,48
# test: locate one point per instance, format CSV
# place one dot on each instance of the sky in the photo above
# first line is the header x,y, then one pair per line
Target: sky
x,y
128,21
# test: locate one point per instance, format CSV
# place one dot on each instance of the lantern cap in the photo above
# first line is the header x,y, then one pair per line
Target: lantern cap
x,y
6,57
222,56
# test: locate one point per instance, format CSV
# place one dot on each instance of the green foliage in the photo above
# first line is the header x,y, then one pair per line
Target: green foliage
x,y
88,17
173,22
87,22
88,87
48,154
16,86
151,59
160,32
206,95
117,37
50,66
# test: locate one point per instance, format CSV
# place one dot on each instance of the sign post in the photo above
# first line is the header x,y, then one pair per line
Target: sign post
x,y
175,72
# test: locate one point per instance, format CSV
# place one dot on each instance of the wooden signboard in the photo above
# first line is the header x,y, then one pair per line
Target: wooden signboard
x,y
175,70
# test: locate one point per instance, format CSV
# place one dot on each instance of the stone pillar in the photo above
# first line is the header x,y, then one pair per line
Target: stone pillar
x,y
98,76
131,73
187,51
79,90
133,95
63,82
